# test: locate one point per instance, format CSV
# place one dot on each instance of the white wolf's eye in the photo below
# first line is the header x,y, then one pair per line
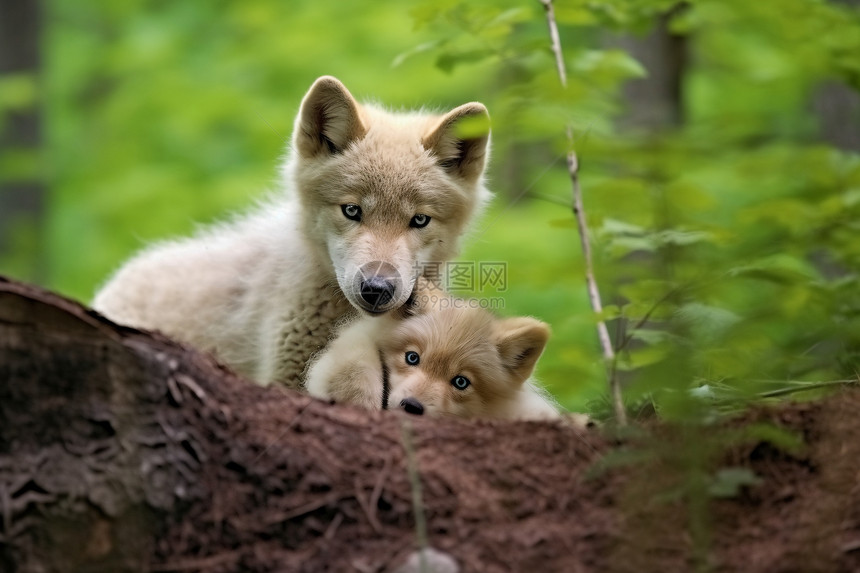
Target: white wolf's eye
x,y
419,221
412,358
460,382
351,211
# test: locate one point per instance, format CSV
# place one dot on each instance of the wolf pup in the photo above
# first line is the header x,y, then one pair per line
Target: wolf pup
x,y
451,361
371,200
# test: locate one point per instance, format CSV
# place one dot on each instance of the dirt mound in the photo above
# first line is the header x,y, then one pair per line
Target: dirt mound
x,y
123,451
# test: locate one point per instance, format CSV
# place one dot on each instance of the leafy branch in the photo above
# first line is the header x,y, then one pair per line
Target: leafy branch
x,y
582,227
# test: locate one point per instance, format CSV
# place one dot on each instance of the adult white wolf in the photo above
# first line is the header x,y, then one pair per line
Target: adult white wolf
x,y
372,199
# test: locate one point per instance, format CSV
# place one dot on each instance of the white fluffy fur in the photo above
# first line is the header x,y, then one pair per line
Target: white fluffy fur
x,y
232,290
265,291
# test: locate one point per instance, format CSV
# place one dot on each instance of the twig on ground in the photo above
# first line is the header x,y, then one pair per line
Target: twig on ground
x,y
804,386
417,502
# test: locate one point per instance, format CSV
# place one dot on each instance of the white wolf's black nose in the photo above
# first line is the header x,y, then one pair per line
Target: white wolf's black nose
x,y
412,406
377,291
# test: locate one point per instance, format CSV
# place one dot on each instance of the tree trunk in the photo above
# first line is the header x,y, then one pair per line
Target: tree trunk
x,y
123,451
837,107
656,102
22,195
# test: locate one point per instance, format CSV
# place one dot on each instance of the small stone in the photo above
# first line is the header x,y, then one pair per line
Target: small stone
x,y
435,562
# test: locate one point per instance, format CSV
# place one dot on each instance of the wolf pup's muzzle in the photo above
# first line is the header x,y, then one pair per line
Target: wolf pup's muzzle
x,y
379,285
412,406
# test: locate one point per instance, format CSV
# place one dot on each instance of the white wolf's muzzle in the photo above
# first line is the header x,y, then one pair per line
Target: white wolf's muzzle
x,y
379,287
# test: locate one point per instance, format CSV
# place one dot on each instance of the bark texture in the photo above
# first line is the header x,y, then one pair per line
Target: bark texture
x,y
22,196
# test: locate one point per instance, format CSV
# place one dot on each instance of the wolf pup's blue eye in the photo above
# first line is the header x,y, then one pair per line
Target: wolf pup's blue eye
x,y
412,358
352,212
419,221
460,382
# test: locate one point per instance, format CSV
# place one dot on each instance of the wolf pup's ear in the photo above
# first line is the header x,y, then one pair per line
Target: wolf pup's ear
x,y
328,121
520,342
460,139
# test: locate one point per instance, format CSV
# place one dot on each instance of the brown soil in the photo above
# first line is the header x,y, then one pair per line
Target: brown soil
x,y
123,451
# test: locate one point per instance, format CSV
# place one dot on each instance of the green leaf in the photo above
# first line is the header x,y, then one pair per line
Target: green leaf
x,y
470,127
450,60
426,12
606,67
781,438
563,223
419,49
615,227
707,319
573,14
514,15
728,482
610,312
20,164
679,237
642,357
780,268
17,91
650,336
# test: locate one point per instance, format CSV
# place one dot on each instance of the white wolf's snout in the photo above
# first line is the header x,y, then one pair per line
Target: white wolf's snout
x,y
375,274
379,286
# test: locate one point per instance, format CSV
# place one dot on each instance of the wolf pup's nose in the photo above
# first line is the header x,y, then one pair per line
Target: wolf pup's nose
x,y
412,406
377,291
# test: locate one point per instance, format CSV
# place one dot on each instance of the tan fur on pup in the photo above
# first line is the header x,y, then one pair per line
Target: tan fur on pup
x,y
460,362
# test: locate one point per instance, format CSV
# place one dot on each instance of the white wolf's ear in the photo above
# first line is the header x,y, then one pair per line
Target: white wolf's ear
x,y
328,121
520,342
460,139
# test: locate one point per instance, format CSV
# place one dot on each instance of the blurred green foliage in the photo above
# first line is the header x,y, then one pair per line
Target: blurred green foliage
x,y
723,246
730,239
